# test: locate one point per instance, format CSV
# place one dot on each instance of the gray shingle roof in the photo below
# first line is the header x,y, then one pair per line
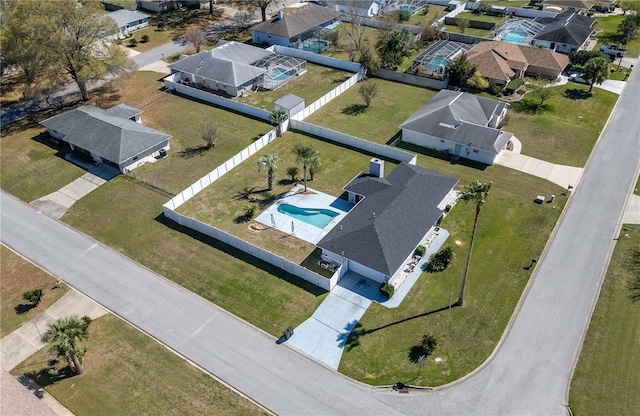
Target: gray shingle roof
x,y
113,138
124,17
461,118
289,101
298,21
206,65
566,28
240,52
405,206
124,111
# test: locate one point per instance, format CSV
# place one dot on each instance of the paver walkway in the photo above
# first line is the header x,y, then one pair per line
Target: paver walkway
x,y
23,343
57,203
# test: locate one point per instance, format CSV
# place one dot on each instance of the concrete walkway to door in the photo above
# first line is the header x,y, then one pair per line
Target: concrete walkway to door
x,y
324,335
57,203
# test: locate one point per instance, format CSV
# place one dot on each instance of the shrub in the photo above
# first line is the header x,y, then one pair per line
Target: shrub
x,y
496,90
293,172
447,208
440,261
33,296
403,15
420,250
387,290
144,38
133,42
160,26
250,212
521,91
514,85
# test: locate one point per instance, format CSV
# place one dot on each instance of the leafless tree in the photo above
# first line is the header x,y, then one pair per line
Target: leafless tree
x,y
355,35
196,37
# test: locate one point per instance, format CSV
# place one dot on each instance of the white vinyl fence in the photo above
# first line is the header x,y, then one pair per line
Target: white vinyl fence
x,y
379,24
172,82
381,150
314,106
317,58
255,251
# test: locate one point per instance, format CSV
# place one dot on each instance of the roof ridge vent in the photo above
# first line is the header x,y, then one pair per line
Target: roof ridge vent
x,y
200,64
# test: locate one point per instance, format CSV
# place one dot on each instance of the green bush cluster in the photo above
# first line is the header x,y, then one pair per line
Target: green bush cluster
x,y
440,261
144,39
387,290
420,250
33,296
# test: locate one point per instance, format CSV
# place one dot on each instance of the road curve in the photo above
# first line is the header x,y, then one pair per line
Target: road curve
x,y
528,374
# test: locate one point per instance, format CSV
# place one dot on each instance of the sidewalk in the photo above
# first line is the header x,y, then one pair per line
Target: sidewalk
x,y
24,342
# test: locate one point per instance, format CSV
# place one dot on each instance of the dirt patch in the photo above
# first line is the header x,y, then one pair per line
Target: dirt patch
x,y
458,243
303,192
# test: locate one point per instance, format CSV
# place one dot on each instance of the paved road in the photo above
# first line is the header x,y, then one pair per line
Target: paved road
x,y
529,374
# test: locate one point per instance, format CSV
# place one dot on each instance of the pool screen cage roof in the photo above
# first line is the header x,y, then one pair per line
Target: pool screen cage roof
x,y
280,69
524,27
412,5
434,60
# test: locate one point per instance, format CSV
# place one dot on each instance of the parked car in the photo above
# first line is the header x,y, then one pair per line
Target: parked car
x,y
579,78
613,51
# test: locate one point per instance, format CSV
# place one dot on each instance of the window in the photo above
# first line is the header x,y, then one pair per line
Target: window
x,y
475,151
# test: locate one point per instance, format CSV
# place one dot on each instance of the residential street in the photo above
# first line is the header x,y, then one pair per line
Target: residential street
x,y
529,373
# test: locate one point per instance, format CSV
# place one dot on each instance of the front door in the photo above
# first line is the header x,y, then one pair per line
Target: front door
x,y
458,149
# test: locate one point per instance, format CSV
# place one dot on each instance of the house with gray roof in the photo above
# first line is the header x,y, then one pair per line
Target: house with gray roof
x,y
128,21
364,8
392,216
460,125
115,136
233,67
565,33
293,27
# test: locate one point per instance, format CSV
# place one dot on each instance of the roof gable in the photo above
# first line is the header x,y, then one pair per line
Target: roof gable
x,y
206,65
113,138
298,21
384,228
567,28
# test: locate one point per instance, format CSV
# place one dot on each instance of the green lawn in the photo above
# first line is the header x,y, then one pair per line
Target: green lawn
x,y
609,26
498,20
33,166
156,38
468,31
18,276
223,203
507,3
512,230
127,215
378,123
618,75
183,117
129,373
370,37
316,82
606,379
435,12
555,132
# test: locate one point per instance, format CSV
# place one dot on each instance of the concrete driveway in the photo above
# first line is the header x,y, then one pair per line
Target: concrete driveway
x,y
559,174
57,203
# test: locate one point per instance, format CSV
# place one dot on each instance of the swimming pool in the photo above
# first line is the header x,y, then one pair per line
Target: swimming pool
x,y
437,63
406,8
514,37
280,74
317,217
315,45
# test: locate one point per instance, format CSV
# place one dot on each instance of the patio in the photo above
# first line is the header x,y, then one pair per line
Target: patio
x,y
274,216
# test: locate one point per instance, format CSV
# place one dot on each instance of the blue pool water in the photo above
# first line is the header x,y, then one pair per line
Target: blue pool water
x,y
280,74
514,37
315,45
317,217
436,63
408,8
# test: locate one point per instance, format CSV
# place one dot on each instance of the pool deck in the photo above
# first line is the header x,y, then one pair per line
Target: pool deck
x,y
273,218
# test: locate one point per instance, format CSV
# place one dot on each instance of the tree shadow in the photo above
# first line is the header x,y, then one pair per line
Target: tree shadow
x,y
245,194
193,152
23,308
442,156
354,109
530,107
286,182
48,376
241,219
415,353
353,340
576,94
242,256
632,263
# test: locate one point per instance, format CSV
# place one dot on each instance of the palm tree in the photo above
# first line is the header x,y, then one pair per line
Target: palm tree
x,y
269,162
314,164
596,70
64,336
304,154
277,117
474,192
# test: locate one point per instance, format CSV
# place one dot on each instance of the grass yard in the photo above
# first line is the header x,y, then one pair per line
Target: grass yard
x,y
18,276
483,33
316,82
498,20
156,38
127,216
129,373
507,3
223,203
369,38
435,13
554,133
511,231
618,75
33,166
609,26
182,117
606,379
378,123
